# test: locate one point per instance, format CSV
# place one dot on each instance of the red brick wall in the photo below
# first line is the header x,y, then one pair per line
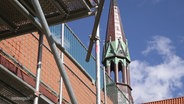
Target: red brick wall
x,y
25,48
22,48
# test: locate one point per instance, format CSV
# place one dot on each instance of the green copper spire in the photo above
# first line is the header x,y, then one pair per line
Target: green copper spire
x,y
116,43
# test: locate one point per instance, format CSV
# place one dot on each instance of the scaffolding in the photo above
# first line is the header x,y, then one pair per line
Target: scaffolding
x,y
70,42
18,17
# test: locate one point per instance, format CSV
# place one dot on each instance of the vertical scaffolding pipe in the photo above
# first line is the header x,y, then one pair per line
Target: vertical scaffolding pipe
x,y
61,91
53,47
105,91
62,39
97,48
62,59
39,64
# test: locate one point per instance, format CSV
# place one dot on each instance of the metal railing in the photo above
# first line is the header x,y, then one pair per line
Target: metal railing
x,y
114,93
78,51
75,48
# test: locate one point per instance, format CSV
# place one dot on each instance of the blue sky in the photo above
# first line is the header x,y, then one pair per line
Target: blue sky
x,y
155,33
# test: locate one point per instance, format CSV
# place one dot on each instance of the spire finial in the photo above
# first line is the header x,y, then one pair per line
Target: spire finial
x,y
115,2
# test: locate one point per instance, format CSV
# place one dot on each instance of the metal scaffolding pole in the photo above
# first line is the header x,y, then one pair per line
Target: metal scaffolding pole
x,y
98,66
39,64
95,37
62,59
105,91
95,26
53,47
61,91
87,7
62,40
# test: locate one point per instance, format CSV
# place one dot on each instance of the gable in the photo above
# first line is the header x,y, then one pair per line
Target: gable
x,y
110,51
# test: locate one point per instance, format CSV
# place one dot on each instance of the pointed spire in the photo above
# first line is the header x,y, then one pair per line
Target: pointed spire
x,y
114,26
116,57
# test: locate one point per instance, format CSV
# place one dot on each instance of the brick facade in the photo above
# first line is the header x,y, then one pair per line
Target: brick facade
x,y
25,50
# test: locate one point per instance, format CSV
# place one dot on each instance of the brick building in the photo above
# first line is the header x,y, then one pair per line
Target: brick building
x,y
27,55
179,100
19,57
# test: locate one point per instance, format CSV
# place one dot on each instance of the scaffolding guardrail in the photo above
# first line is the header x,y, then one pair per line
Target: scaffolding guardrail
x,y
78,51
75,48
114,93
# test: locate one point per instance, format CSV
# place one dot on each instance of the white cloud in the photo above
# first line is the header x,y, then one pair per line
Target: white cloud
x,y
160,44
157,82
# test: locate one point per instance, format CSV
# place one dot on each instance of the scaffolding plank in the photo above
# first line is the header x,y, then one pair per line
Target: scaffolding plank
x,y
55,11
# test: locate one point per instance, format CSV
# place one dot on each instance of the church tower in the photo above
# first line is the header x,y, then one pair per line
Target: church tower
x,y
116,57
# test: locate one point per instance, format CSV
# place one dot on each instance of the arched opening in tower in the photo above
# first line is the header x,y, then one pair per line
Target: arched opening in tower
x,y
112,71
120,73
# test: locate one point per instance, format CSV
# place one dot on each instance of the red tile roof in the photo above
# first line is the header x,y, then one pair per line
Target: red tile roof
x,y
179,100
